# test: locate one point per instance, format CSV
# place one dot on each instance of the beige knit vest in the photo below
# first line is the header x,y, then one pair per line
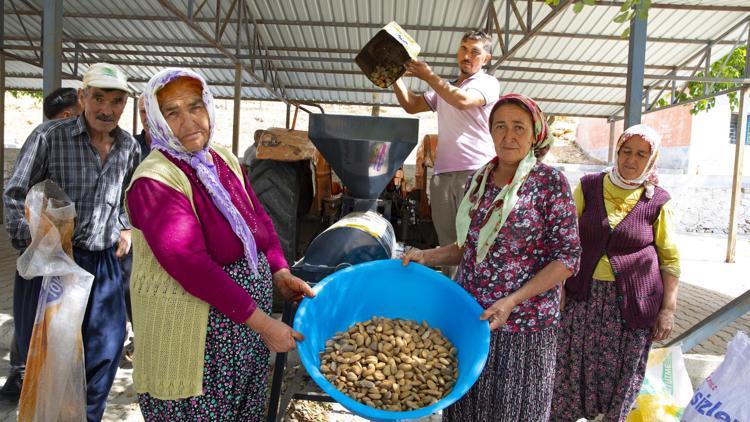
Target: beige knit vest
x,y
169,323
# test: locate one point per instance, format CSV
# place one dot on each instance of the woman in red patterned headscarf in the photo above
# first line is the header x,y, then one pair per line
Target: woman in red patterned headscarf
x,y
517,242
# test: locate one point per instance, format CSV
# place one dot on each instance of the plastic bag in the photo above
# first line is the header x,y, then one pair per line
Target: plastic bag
x,y
54,387
725,394
666,388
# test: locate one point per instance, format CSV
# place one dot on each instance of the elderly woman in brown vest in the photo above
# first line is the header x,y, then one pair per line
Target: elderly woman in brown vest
x,y
625,294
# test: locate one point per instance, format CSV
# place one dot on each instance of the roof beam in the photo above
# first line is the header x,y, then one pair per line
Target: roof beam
x,y
685,102
350,103
702,52
514,7
522,69
13,57
530,34
277,93
325,24
208,55
143,52
229,83
672,6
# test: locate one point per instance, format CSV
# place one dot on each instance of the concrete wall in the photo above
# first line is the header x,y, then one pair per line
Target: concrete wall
x,y
710,150
673,124
700,203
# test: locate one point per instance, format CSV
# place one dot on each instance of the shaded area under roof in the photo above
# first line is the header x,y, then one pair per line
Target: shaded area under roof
x,y
573,63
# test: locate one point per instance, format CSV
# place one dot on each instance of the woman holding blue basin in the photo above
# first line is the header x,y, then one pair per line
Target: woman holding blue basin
x,y
517,242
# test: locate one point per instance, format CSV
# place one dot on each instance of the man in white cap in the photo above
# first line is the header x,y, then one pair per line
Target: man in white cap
x,y
91,159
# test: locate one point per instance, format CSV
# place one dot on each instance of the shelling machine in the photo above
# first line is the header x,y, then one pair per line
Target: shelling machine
x,y
364,152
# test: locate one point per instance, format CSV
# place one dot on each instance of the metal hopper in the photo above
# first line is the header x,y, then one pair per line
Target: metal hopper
x,y
364,151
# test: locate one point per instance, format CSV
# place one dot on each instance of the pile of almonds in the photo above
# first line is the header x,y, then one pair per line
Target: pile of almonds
x,y
385,75
391,364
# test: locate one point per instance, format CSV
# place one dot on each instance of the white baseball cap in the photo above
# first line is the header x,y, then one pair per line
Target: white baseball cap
x,y
105,76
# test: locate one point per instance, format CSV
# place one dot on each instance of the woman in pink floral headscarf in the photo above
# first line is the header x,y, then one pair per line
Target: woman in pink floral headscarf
x,y
625,294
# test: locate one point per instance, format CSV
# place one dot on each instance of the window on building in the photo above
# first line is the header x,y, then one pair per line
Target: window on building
x,y
733,129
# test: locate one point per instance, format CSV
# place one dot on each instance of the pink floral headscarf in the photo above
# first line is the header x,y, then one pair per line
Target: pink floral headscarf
x,y
504,202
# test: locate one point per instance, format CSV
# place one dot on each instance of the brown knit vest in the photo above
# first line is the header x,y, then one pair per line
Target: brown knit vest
x,y
630,248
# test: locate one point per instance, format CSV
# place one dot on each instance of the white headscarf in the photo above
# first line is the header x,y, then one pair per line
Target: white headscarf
x,y
648,178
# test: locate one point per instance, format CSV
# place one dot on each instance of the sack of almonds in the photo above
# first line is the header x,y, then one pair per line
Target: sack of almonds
x,y
391,364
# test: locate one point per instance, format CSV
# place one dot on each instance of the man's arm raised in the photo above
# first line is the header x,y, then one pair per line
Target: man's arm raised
x,y
410,101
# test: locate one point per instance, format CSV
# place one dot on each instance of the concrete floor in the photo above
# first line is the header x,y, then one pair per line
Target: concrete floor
x,y
708,284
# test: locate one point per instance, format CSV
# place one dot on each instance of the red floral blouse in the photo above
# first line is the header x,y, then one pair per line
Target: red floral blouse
x,y
541,228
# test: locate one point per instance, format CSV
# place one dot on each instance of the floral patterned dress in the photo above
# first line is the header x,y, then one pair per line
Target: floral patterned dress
x,y
517,381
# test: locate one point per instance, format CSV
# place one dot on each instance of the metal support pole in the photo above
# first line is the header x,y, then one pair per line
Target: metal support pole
x,y
287,316
611,152
135,116
288,114
636,66
529,15
707,68
52,45
191,3
237,104
507,23
2,107
713,323
238,35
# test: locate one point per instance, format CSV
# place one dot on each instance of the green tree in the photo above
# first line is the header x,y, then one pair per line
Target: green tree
x,y
627,12
38,96
731,65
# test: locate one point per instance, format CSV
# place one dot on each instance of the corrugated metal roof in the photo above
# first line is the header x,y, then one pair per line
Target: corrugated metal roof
x,y
575,64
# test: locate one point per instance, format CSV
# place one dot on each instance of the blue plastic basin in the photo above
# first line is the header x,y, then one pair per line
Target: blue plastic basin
x,y
388,289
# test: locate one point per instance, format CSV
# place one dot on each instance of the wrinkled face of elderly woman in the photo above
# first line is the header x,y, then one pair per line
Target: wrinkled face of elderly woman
x,y
181,104
633,157
512,131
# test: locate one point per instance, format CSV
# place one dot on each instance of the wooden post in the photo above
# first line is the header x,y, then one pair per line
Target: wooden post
x,y
237,103
612,140
737,177
738,156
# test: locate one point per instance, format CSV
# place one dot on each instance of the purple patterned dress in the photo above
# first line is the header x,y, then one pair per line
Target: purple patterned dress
x,y
235,372
517,381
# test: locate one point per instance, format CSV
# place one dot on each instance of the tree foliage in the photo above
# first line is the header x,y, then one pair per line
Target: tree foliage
x,y
38,96
731,65
627,12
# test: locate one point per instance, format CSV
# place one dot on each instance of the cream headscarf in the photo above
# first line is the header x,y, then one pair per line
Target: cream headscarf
x,y
504,202
649,178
